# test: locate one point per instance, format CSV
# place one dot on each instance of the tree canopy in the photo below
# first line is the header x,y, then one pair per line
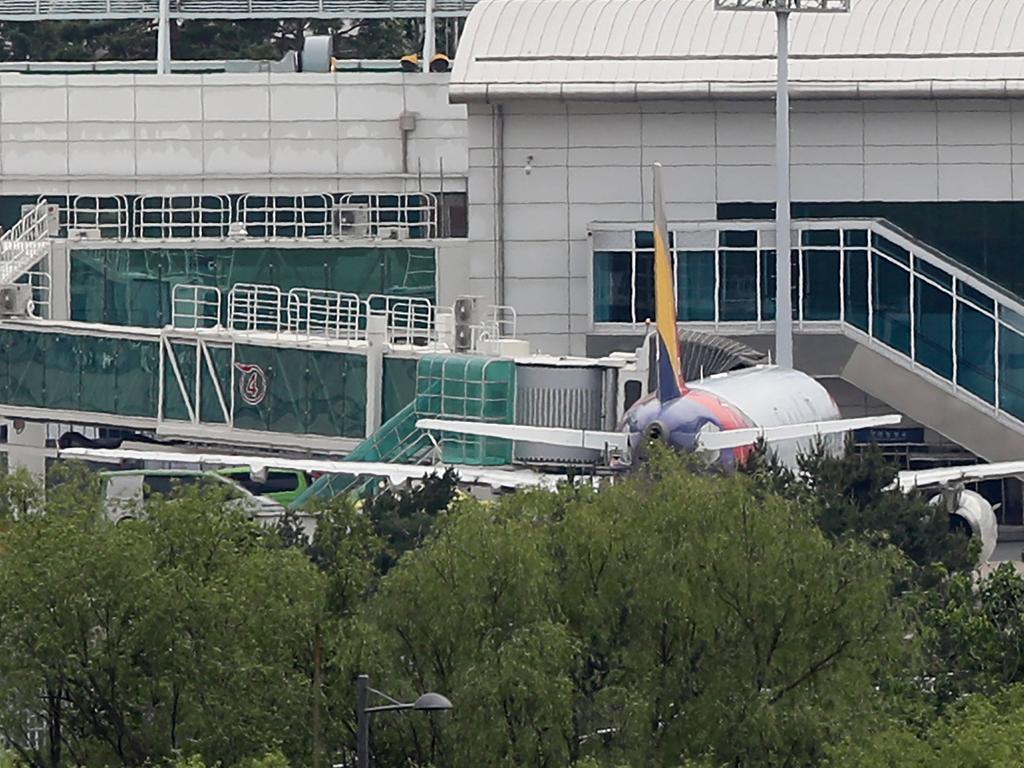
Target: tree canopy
x,y
671,619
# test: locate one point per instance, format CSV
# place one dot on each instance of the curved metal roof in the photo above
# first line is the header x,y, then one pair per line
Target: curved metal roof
x,y
670,48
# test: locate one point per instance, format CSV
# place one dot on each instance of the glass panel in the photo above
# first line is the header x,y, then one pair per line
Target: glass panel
x,y
643,239
891,292
890,248
643,286
856,289
975,352
824,237
969,293
767,285
821,284
933,328
1011,318
940,276
736,238
696,288
855,238
613,287
1011,372
739,285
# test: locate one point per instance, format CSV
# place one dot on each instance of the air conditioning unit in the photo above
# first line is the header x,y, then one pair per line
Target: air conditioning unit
x,y
351,220
393,232
15,300
465,310
82,233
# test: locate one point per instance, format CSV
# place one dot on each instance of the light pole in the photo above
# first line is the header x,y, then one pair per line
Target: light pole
x,y
783,225
427,702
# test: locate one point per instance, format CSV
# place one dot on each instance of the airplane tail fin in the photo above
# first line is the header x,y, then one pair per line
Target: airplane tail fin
x,y
671,385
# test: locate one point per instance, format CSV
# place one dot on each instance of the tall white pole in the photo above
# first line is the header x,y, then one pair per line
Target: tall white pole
x,y
783,225
428,34
163,39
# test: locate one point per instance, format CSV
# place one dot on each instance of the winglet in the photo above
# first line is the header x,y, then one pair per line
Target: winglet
x,y
670,368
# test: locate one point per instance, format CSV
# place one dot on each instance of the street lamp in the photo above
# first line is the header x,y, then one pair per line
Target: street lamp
x,y
783,225
427,702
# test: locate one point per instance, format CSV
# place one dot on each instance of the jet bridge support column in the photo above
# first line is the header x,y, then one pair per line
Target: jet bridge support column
x,y
376,338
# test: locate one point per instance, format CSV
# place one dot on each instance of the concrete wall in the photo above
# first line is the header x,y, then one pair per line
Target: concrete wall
x,y
591,162
220,133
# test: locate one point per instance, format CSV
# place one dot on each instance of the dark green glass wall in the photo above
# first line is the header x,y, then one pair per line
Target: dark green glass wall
x,y
132,286
982,236
80,373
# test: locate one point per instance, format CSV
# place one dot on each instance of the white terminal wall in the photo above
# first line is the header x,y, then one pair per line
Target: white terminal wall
x,y
591,162
222,133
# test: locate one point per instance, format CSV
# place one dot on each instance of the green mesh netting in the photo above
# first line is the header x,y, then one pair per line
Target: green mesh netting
x,y
132,286
81,373
399,385
453,386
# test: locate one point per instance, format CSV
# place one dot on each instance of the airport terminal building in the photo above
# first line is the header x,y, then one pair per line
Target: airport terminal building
x,y
524,178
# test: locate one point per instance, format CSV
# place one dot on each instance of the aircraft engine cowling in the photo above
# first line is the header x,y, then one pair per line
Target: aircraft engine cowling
x,y
974,515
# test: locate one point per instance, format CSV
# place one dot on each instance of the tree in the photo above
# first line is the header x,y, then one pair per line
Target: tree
x,y
203,39
188,631
670,616
853,495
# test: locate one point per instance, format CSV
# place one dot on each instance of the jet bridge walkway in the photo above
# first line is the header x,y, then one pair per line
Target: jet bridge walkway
x,y
305,371
897,319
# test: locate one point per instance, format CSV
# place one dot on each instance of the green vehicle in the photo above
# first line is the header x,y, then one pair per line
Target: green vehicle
x,y
281,485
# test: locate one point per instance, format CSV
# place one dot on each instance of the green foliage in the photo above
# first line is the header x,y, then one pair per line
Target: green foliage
x,y
403,517
852,495
187,632
667,616
202,39
978,732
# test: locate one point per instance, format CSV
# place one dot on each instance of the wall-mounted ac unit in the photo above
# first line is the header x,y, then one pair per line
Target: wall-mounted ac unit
x,y
351,220
15,299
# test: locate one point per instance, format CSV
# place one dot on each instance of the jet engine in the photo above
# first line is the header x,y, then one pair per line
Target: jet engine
x,y
971,513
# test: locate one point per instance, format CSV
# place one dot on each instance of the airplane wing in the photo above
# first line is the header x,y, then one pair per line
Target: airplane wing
x,y
926,477
395,473
567,438
736,438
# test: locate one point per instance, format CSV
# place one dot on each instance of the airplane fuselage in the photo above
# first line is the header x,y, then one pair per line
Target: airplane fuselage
x,y
765,396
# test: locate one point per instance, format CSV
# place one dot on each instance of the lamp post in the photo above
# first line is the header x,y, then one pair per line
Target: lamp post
x,y
427,702
783,224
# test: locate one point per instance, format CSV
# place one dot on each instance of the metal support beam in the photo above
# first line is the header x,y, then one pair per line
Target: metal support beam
x,y
783,227
428,34
163,39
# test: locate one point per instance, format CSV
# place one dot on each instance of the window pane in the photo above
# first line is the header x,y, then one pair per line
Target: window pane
x,y
613,286
938,275
885,245
643,286
933,328
891,292
820,237
767,285
983,301
696,289
856,289
738,238
821,284
739,285
975,352
1011,372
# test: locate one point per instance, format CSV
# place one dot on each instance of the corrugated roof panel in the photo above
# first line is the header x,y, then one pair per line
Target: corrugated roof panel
x,y
576,46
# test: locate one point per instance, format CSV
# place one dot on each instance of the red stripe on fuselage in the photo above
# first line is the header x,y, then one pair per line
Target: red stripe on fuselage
x,y
727,415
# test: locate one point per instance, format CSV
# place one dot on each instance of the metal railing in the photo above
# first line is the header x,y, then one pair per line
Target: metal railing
x,y
25,244
327,314
310,313
318,216
181,216
864,278
33,10
195,306
410,320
